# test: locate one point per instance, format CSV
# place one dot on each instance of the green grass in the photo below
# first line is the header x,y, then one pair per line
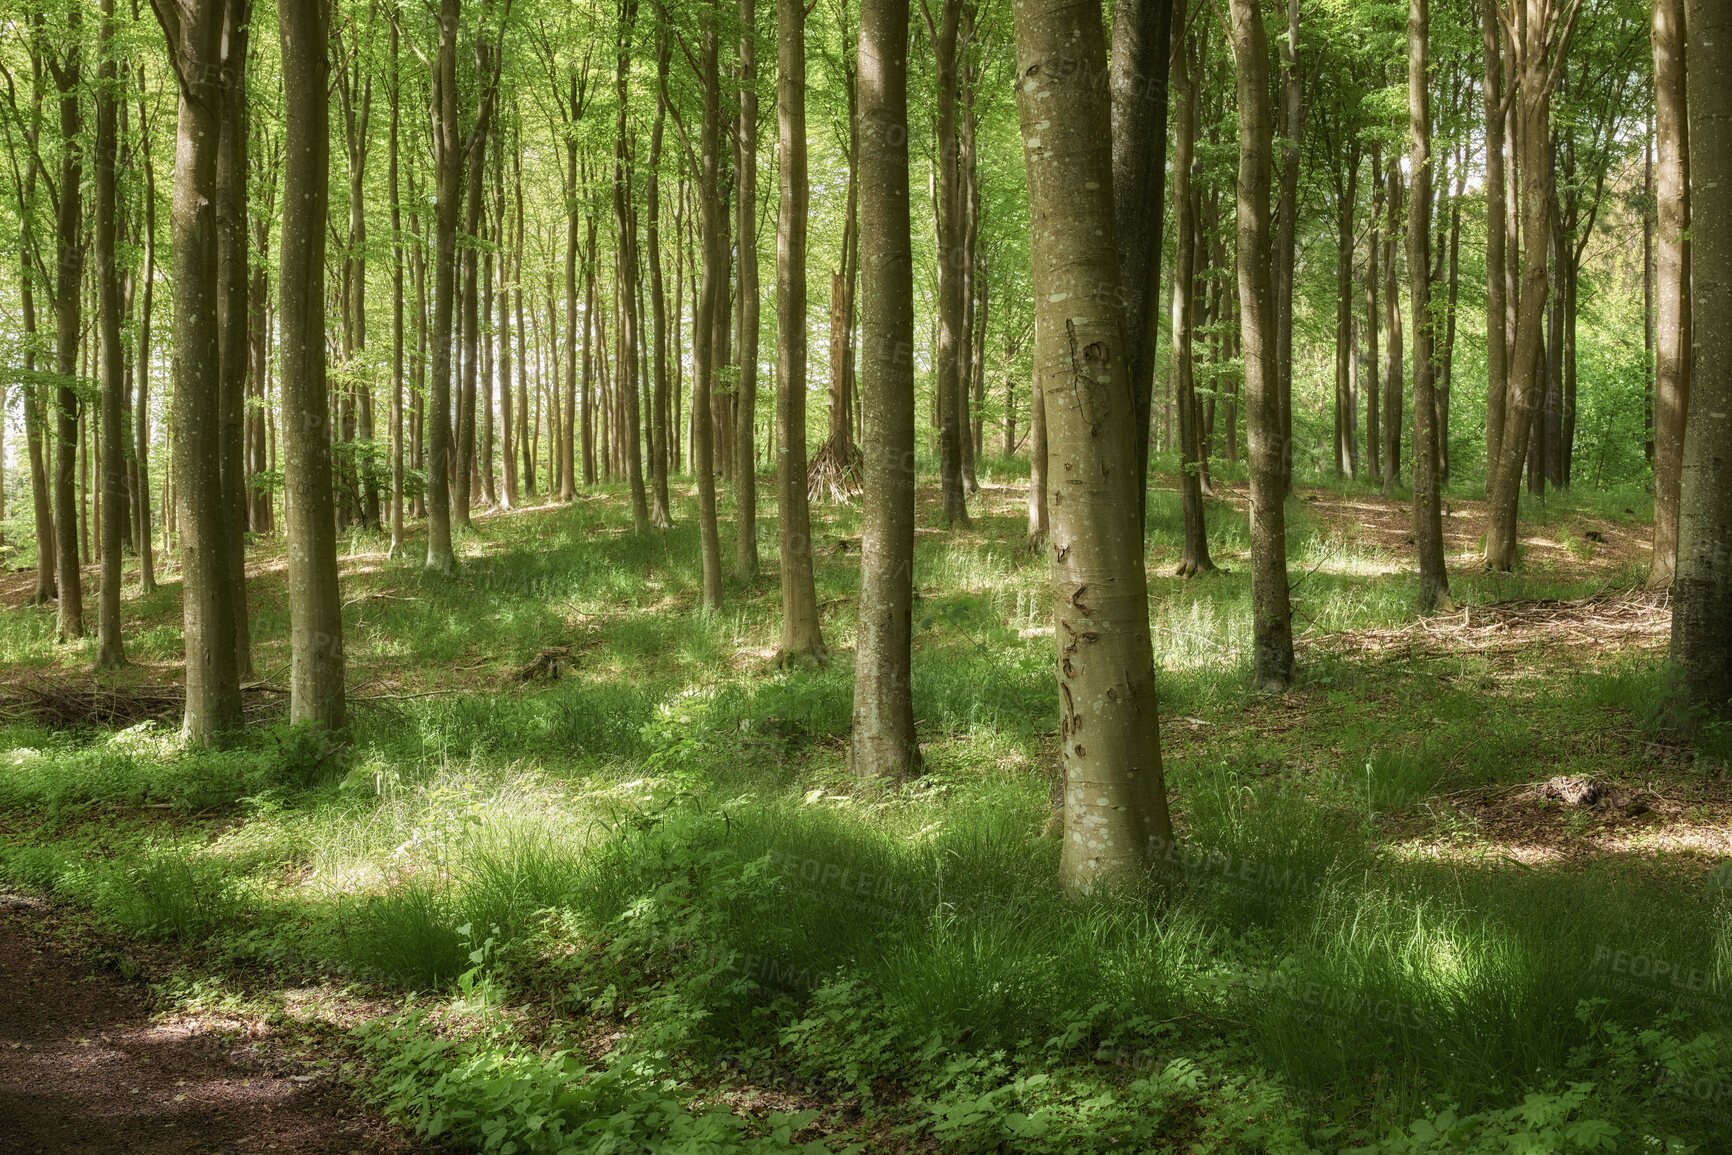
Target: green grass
x,y
664,848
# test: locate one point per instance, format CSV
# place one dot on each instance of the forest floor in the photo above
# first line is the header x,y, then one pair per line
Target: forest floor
x,y
589,871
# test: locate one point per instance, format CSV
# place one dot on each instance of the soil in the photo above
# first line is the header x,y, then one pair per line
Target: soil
x,y
85,1068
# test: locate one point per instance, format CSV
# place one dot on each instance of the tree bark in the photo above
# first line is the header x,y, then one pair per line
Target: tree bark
x,y
1116,817
883,741
1702,587
1287,231
141,414
69,275
1271,609
1141,51
396,503
1427,488
660,513
630,329
448,171
213,700
233,316
1196,558
316,692
1039,513
947,380
802,637
111,650
746,245
1673,332
1346,200
710,302
1394,372
1496,261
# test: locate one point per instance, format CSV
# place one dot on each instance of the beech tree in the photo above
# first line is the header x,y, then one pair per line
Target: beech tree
x,y
1673,327
110,649
1115,801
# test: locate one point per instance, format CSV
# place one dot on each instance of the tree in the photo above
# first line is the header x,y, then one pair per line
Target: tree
x,y
1109,739
1142,43
69,275
710,295
110,649
801,633
631,324
1542,40
883,741
746,249
1427,485
947,357
1672,280
1271,608
316,692
447,170
1702,588
195,43
233,319
1184,93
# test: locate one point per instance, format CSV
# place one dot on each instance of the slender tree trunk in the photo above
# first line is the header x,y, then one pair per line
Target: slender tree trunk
x,y
141,415
1393,373
507,494
1287,231
947,358
1196,558
746,245
397,546
802,637
448,170
213,700
1271,610
1039,513
1141,51
626,261
316,692
1446,363
1673,275
660,512
1427,489
69,244
111,651
233,315
1347,198
884,742
1497,302
1373,381
1116,817
709,304
1702,587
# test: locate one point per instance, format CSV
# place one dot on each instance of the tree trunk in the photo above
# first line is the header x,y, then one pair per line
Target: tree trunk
x,y
1141,50
1115,800
1196,558
111,651
213,700
316,693
1271,610
660,512
1346,199
233,316
1039,514
883,741
1702,587
1287,231
704,323
746,245
802,637
1427,489
1373,378
1496,261
448,172
396,503
141,414
1673,331
1393,373
69,244
947,364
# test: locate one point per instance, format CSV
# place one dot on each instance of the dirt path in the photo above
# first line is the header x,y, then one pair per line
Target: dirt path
x,y
84,1069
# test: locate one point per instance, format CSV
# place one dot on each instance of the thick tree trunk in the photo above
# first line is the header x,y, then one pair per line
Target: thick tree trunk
x,y
111,651
1116,817
802,637
1039,514
1141,51
1702,587
1271,610
316,693
1196,558
710,302
1672,277
883,741
746,246
1427,489
213,699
